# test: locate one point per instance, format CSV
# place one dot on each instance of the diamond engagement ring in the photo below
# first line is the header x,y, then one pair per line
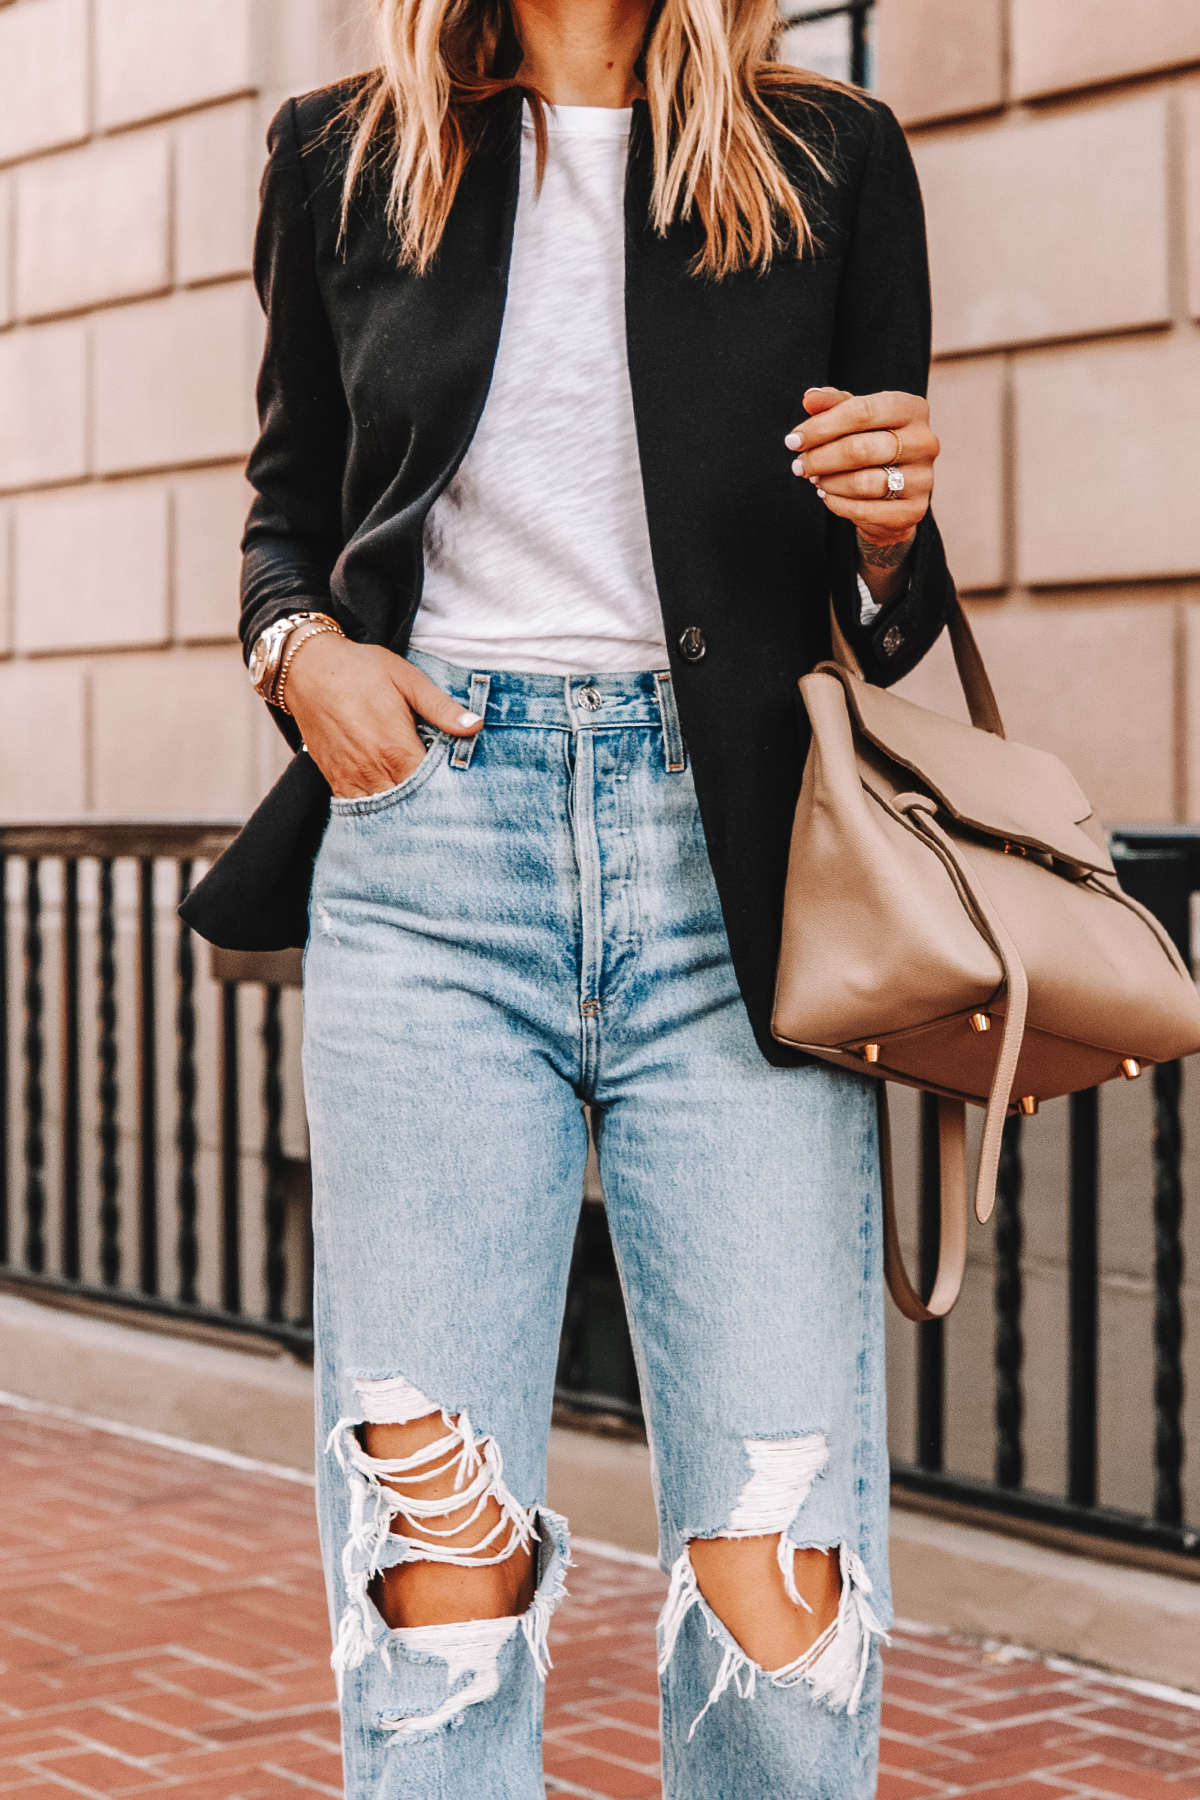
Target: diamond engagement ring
x,y
895,482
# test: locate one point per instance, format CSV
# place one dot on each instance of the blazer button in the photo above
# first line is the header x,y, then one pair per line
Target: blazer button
x,y
893,639
692,645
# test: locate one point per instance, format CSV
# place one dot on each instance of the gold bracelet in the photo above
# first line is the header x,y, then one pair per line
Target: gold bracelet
x,y
310,629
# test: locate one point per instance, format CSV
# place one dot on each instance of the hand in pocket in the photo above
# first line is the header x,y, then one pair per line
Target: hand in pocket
x,y
357,707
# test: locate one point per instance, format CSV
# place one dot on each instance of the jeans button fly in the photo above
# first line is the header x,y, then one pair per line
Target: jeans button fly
x,y
692,645
590,698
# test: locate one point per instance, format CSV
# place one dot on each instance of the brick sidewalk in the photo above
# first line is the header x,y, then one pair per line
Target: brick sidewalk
x,y
163,1630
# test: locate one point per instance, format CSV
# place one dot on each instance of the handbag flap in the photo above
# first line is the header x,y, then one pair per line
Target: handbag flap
x,y
1004,789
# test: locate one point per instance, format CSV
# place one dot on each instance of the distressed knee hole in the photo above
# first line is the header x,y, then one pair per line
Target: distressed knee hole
x,y
772,1597
439,1509
833,1663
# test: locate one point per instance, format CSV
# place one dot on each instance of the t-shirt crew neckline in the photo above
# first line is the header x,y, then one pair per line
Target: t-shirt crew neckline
x,y
584,121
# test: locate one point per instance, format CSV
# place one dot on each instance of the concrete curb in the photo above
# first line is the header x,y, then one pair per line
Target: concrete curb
x,y
257,1402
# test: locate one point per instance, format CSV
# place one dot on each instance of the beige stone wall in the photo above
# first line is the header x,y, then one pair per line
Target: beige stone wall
x,y
131,140
1058,143
1059,146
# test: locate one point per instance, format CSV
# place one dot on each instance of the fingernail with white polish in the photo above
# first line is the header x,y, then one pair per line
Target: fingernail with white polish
x,y
469,718
798,466
793,440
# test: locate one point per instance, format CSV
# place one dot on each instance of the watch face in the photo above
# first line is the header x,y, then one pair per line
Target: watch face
x,y
258,660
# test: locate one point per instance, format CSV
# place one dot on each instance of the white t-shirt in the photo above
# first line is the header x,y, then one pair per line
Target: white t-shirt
x,y
537,555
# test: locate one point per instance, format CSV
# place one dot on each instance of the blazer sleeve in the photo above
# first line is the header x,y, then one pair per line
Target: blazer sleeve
x,y
294,532
882,341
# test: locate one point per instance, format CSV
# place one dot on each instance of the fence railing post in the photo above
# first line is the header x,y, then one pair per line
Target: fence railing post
x,y
931,1336
1161,868
231,1152
69,1069
147,1075
35,1056
859,45
276,1197
1083,1296
1168,1298
187,1247
1010,1341
107,1091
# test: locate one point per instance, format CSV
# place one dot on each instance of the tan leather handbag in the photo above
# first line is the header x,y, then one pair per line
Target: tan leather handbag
x,y
952,921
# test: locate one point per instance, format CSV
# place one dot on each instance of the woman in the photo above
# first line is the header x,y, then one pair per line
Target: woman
x,y
559,429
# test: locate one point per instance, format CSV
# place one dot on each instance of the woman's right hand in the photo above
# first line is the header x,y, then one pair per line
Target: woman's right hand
x,y
356,706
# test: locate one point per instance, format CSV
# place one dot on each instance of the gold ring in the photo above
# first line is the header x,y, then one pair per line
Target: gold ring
x,y
899,444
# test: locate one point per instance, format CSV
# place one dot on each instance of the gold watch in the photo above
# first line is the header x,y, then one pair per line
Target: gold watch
x,y
267,665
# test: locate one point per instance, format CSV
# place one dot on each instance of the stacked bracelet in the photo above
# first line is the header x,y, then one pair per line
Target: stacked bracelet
x,y
320,622
273,651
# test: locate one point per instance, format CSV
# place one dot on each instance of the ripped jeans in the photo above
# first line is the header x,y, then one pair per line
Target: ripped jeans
x,y
528,922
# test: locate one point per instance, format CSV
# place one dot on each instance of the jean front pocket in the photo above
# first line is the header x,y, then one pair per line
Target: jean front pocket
x,y
361,806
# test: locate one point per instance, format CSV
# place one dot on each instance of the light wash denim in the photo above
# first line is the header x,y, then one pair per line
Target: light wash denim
x,y
527,923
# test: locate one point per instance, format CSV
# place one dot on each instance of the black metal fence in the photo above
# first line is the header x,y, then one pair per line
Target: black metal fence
x,y
152,1155
112,1036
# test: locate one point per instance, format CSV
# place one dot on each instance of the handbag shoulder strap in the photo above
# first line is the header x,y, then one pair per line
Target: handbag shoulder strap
x,y
981,700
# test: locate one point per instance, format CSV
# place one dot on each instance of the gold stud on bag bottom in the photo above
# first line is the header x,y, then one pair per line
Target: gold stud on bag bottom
x,y
953,922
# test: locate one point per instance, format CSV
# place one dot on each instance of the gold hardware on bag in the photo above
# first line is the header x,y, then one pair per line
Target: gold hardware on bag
x,y
1131,1068
1015,849
1028,1105
980,1022
871,1053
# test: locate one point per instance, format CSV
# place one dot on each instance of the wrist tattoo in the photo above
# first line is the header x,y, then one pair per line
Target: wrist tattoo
x,y
884,556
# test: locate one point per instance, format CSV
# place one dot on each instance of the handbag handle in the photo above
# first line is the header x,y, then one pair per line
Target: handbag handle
x,y
952,1133
952,1249
973,676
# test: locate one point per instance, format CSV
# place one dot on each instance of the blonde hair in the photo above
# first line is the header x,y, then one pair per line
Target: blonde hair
x,y
710,74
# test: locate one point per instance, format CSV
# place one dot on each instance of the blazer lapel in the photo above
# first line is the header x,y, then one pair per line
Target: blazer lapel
x,y
417,370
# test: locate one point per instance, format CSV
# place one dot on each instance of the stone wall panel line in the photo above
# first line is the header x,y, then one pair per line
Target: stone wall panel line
x,y
941,59
45,89
7,252
43,405
1019,114
1062,45
1084,514
92,225
158,58
6,581
1050,231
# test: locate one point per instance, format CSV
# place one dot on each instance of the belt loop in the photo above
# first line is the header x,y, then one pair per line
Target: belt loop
x,y
672,736
464,748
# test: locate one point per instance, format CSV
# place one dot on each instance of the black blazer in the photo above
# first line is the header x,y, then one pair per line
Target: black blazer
x,y
373,382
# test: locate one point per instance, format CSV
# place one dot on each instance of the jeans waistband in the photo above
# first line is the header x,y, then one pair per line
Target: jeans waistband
x,y
615,701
